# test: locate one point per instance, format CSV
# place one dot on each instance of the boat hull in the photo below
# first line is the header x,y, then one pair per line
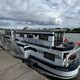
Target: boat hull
x,y
57,73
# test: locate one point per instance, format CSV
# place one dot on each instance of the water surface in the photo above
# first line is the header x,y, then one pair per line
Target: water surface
x,y
73,36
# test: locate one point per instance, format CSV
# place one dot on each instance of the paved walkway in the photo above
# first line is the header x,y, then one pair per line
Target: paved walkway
x,y
13,69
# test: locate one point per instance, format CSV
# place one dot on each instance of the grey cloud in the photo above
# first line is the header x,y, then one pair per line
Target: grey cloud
x,y
39,10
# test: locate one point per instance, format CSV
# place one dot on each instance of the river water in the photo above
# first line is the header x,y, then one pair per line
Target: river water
x,y
73,36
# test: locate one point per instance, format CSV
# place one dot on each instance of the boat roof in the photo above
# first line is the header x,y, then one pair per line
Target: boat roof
x,y
37,31
40,31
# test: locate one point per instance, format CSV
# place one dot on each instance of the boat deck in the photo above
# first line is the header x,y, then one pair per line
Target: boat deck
x,y
12,69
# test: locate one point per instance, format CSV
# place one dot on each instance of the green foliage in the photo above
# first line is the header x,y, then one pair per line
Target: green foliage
x,y
74,30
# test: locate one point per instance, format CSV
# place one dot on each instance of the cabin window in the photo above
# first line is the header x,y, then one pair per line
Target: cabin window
x,y
35,35
49,56
43,37
18,35
57,57
21,35
29,35
8,33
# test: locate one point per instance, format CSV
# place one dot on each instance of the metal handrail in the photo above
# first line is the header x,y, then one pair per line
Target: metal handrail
x,y
37,41
66,61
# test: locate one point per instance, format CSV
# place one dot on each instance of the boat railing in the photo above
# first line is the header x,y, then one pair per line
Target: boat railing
x,y
72,58
37,41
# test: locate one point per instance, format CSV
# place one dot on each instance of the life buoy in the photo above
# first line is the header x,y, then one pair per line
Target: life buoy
x,y
65,40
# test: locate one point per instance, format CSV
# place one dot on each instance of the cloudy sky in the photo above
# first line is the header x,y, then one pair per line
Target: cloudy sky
x,y
61,12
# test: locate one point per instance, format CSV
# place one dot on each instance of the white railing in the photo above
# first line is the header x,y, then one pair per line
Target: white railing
x,y
67,62
38,42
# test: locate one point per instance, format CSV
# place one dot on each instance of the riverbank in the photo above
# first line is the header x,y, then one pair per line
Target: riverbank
x,y
13,69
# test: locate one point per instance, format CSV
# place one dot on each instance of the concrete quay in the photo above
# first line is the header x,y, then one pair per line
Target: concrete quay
x,y
12,69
